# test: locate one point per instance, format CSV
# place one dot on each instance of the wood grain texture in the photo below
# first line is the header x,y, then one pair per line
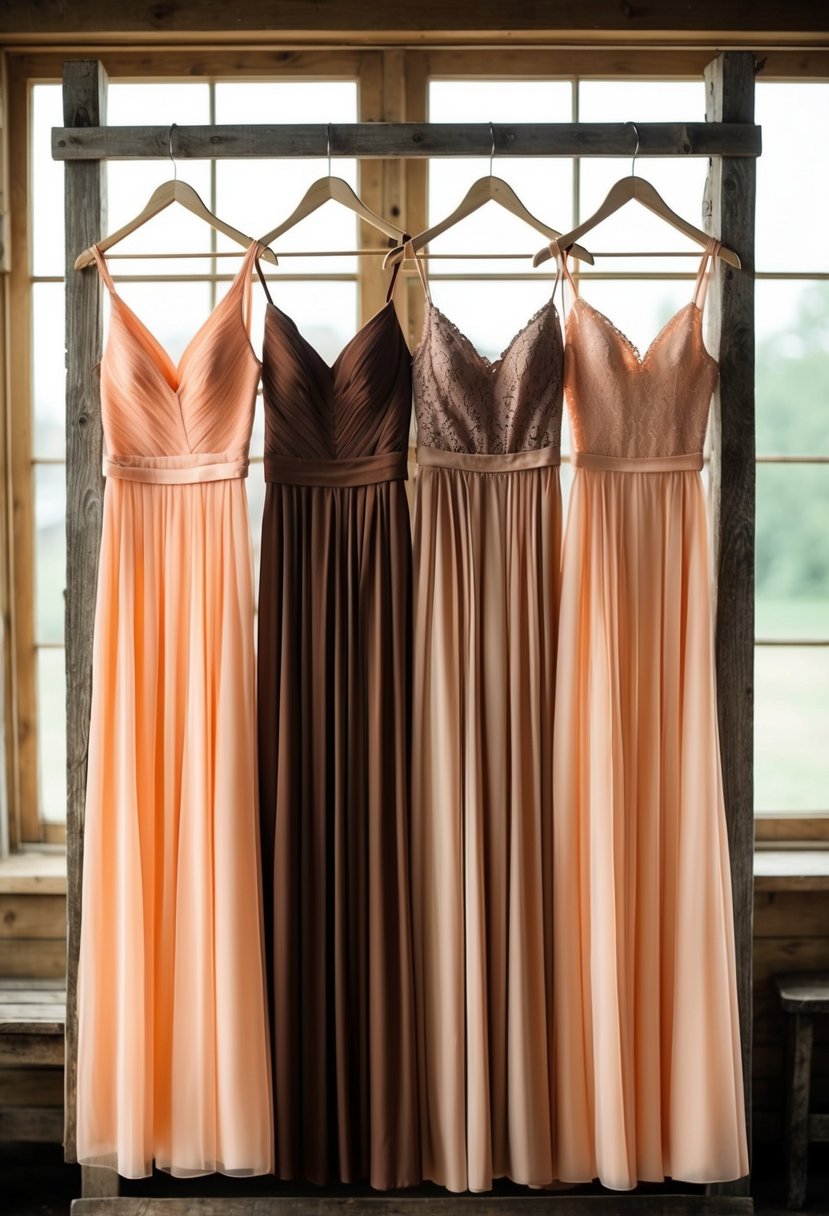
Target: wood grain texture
x,y
33,916
84,88
438,1205
31,1087
798,1081
38,1124
143,16
730,207
19,1050
41,958
387,139
791,914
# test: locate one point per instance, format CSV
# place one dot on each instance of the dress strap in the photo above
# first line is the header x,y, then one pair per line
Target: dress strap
x,y
103,269
395,270
262,279
704,273
246,280
409,252
563,271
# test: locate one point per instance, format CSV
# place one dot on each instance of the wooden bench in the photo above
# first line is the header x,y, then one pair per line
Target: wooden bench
x,y
802,997
32,1017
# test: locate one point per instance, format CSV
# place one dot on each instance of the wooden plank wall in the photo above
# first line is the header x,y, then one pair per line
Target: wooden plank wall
x,y
791,933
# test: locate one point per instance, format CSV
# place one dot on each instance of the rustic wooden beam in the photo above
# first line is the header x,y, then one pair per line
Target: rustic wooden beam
x,y
730,202
432,1205
423,16
84,105
408,140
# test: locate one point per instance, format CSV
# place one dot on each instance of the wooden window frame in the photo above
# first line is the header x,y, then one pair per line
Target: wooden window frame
x,y
392,86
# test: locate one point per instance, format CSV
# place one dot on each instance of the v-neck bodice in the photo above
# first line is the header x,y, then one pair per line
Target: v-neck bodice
x,y
469,406
629,407
185,422
341,424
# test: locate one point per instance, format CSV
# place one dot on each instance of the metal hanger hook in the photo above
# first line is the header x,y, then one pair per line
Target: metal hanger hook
x,y
170,150
328,147
492,149
635,150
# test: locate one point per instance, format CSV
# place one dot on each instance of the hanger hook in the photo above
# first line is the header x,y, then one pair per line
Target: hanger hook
x,y
170,150
492,149
328,147
635,150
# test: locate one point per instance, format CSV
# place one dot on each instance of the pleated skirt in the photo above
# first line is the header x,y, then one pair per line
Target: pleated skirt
x,y
334,745
173,1050
486,553
648,1079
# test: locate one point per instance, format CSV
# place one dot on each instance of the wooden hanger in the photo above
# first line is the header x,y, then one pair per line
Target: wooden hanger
x,y
484,190
335,189
638,188
169,192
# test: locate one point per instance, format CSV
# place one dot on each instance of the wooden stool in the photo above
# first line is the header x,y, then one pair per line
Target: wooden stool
x,y
801,996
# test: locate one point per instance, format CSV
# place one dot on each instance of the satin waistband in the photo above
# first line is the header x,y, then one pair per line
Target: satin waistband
x,y
353,471
486,462
185,469
685,462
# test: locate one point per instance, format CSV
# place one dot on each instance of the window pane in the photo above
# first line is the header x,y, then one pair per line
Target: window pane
x,y
680,182
172,312
637,309
257,195
545,186
490,314
792,177
47,182
130,183
792,573
50,551
791,760
792,368
51,710
48,370
326,328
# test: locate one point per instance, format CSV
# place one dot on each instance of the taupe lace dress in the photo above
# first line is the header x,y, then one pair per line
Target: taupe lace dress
x,y
487,534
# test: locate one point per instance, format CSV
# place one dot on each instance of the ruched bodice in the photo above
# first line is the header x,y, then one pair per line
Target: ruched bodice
x,y
466,403
334,722
190,421
627,406
350,412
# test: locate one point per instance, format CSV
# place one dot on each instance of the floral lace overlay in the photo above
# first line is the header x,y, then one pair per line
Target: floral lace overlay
x,y
624,404
465,402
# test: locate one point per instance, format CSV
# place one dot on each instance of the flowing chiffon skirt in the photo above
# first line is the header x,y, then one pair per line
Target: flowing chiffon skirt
x,y
647,1063
334,723
173,1052
486,587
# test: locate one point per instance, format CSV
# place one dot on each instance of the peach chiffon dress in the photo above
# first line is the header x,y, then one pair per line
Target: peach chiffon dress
x,y
173,1052
648,1074
487,539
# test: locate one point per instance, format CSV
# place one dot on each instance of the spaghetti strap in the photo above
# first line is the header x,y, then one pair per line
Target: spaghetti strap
x,y
246,280
704,273
263,280
409,252
562,273
395,270
103,269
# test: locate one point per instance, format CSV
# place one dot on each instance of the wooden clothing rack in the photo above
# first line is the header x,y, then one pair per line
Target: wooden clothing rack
x,y
732,142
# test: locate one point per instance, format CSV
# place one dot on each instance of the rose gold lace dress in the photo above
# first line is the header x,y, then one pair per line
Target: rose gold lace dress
x,y
648,1077
173,1056
487,531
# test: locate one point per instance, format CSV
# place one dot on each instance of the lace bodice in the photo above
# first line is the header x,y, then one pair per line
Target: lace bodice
x,y
631,406
465,402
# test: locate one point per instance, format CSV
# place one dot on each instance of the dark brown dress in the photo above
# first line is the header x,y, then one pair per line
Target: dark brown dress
x,y
334,727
